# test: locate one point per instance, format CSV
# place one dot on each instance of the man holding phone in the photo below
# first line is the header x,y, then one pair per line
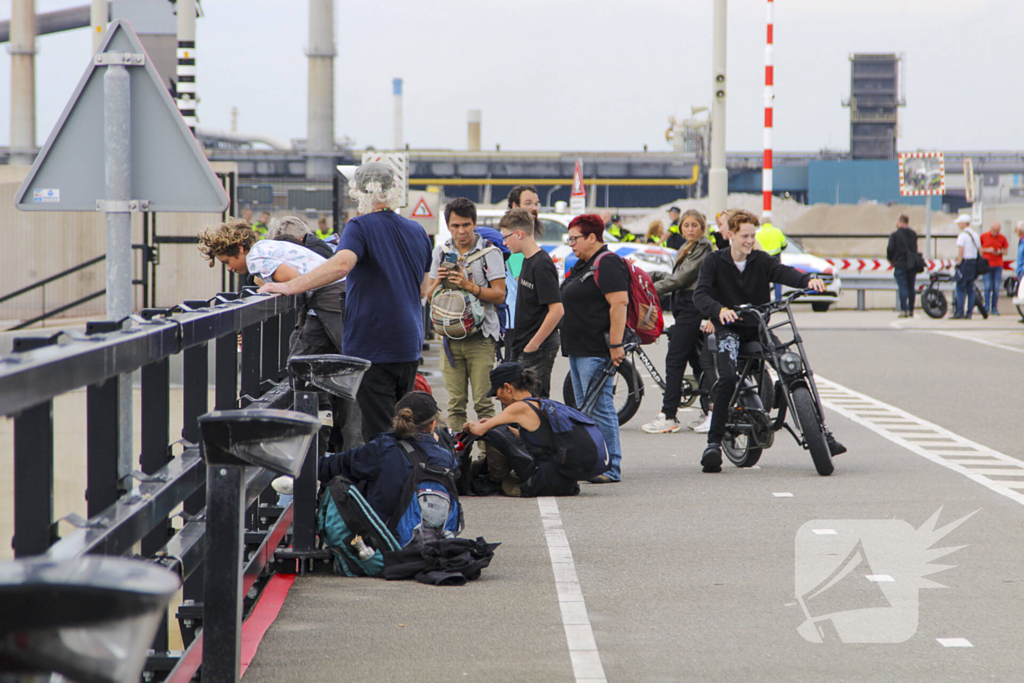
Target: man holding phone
x,y
470,263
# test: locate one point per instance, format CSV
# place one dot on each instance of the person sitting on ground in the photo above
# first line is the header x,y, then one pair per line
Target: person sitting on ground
x,y
530,423
728,278
381,466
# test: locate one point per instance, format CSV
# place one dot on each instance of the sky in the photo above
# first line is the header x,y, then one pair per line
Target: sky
x,y
584,74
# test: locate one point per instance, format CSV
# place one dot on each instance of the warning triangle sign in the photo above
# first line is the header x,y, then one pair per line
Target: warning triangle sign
x,y
169,170
577,181
421,210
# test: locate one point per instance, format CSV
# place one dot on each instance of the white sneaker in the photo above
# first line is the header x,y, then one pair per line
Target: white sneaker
x,y
705,426
699,421
283,485
662,425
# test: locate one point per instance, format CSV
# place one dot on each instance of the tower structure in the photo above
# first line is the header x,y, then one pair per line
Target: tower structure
x,y
876,93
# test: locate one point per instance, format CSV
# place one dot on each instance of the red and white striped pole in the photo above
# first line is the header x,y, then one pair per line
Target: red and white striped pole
x,y
769,102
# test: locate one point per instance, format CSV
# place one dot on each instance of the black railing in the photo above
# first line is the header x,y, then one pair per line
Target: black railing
x,y
41,285
124,516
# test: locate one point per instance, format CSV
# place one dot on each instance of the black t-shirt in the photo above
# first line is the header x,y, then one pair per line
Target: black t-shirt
x,y
538,287
586,318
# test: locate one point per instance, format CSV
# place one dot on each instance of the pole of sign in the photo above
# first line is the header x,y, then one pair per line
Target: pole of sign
x,y
769,103
117,136
718,176
187,62
98,16
928,226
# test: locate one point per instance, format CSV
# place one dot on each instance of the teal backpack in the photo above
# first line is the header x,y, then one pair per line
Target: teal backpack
x,y
352,531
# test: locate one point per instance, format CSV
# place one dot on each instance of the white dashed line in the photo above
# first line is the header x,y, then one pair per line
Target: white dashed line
x,y
966,337
954,642
579,636
927,439
879,578
826,532
783,495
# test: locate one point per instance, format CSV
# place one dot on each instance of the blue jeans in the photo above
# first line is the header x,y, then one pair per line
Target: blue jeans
x,y
582,369
905,287
992,279
965,288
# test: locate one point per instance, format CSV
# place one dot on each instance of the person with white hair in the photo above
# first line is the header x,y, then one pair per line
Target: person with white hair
x,y
968,246
293,229
385,258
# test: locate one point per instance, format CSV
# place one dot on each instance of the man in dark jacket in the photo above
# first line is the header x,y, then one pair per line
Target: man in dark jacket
x,y
902,254
728,278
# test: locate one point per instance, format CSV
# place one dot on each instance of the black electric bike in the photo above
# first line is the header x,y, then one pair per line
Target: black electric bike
x,y
760,404
933,300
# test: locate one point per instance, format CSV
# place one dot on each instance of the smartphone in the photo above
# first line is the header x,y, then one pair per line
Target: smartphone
x,y
450,259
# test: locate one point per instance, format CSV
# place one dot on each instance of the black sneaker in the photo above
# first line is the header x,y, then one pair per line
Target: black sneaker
x,y
834,446
712,458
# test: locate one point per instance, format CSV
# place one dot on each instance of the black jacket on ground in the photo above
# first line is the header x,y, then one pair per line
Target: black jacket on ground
x,y
721,284
902,248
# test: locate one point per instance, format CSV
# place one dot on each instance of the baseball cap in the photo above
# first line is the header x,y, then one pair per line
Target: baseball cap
x,y
674,208
616,218
422,405
963,218
503,374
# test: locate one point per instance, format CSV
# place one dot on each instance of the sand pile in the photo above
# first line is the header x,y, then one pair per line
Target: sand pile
x,y
867,219
784,211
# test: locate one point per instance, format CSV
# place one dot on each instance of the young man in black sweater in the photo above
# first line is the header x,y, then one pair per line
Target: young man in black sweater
x,y
728,278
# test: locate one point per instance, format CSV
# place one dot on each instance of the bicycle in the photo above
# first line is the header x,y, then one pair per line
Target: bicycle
x,y
934,302
627,387
750,426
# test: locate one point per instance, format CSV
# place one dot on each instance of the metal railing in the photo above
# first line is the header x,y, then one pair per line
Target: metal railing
x,y
129,512
41,285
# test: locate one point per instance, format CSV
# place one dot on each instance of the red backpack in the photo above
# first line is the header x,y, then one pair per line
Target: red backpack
x,y
644,316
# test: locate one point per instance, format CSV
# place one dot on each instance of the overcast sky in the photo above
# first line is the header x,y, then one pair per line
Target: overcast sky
x,y
584,74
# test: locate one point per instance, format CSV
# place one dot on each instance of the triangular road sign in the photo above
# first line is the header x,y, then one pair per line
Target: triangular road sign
x,y
421,210
577,181
169,170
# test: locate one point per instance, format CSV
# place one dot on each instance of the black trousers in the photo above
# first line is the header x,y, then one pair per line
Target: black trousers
x,y
683,347
729,341
382,387
541,361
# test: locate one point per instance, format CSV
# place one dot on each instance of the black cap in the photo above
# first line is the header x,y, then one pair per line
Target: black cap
x,y
504,373
674,208
422,405
616,218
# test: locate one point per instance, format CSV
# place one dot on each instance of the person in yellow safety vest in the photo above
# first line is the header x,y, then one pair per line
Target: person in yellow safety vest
x,y
655,234
771,239
323,231
261,226
719,237
674,237
619,232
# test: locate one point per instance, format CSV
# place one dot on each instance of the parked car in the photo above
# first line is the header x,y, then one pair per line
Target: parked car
x,y
794,255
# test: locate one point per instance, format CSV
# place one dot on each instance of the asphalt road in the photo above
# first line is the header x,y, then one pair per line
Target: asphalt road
x,y
692,577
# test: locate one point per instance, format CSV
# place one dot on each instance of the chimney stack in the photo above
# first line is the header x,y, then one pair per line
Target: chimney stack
x,y
397,141
23,83
473,142
320,114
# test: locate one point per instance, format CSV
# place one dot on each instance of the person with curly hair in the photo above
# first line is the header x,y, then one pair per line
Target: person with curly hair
x,y
386,258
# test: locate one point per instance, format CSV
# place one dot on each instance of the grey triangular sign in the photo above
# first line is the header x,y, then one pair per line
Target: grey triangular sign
x,y
169,169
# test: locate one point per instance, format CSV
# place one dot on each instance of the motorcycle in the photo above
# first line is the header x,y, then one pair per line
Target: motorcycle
x,y
933,300
751,425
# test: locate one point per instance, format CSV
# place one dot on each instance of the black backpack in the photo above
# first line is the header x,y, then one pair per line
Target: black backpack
x,y
579,449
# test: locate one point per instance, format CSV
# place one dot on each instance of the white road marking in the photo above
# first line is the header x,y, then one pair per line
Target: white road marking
x,y
826,532
930,441
962,336
783,495
579,636
954,642
879,578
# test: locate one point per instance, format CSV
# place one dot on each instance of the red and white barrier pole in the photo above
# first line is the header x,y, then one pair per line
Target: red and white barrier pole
x,y
769,101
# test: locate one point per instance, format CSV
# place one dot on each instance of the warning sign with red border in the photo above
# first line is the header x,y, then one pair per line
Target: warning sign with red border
x,y
578,199
421,210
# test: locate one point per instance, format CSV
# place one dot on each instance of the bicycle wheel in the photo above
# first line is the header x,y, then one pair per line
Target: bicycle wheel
x,y
810,425
687,394
739,448
933,302
627,392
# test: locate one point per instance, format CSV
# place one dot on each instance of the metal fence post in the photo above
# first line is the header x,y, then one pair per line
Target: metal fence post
x,y
305,486
222,585
104,424
196,402
33,480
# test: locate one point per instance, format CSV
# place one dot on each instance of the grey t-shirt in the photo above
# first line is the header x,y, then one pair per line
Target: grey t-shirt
x,y
482,272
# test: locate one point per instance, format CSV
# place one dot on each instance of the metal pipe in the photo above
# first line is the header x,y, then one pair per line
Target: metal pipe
x,y
635,182
473,130
186,83
55,22
320,114
397,137
117,139
718,175
99,15
23,83
769,107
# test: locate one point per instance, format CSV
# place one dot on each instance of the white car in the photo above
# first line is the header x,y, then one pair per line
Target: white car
x,y
794,255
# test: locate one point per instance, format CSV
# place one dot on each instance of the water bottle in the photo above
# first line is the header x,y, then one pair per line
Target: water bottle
x,y
359,547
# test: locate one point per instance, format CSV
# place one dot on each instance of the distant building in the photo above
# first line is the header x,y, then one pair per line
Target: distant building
x,y
875,97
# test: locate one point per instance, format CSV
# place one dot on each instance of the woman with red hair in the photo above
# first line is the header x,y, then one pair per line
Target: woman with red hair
x,y
595,298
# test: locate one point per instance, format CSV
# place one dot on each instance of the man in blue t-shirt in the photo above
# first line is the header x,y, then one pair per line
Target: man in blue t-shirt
x,y
386,258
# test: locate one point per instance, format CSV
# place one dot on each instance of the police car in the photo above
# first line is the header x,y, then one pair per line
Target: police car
x,y
794,255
